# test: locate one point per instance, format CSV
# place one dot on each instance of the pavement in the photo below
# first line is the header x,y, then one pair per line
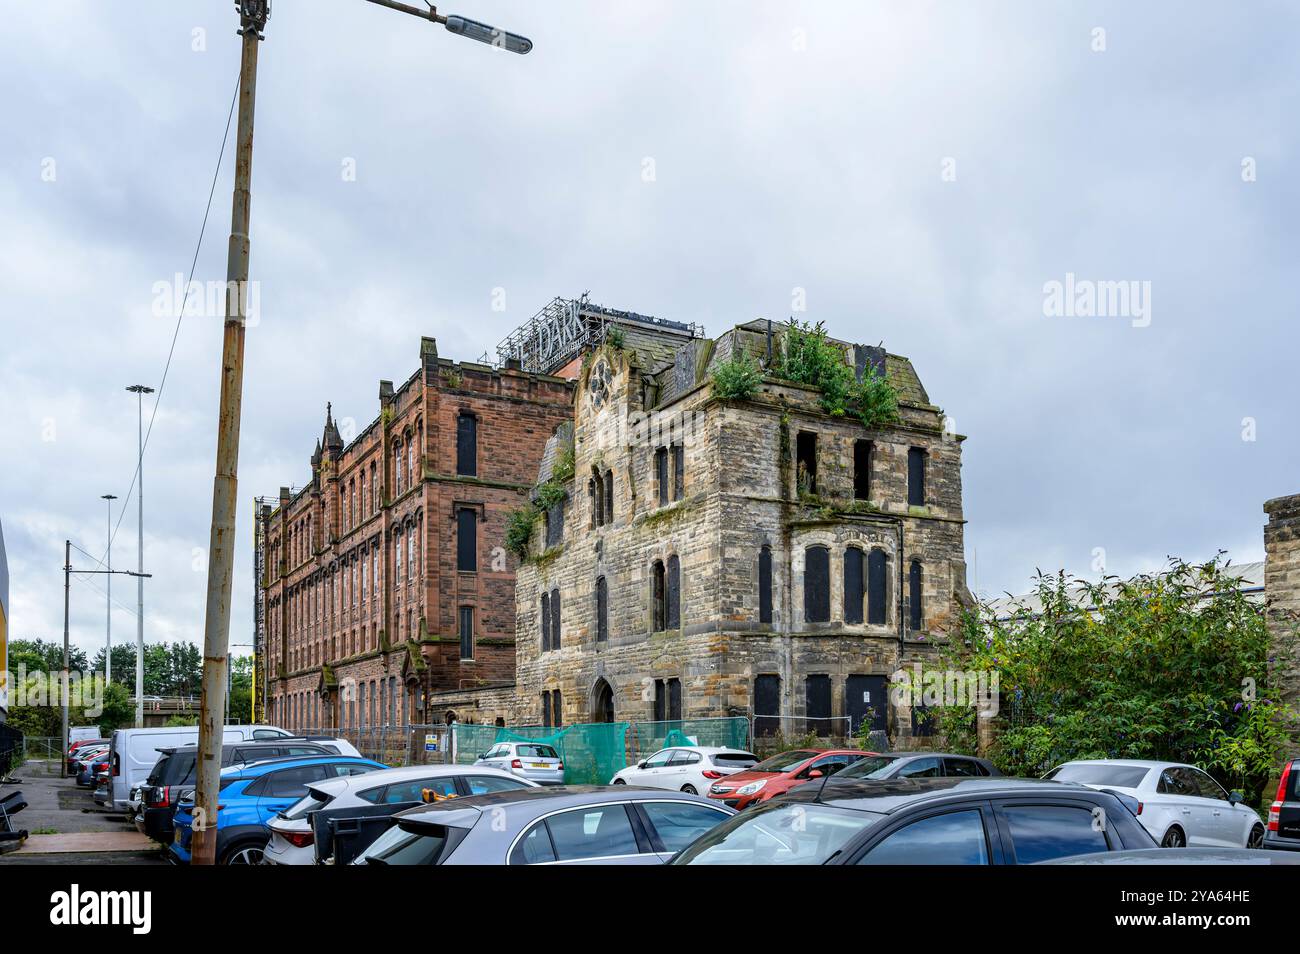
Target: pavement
x,y
67,827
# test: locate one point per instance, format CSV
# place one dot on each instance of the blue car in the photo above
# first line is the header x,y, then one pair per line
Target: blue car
x,y
251,795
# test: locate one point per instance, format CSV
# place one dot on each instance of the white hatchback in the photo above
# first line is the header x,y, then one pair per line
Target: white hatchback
x,y
1178,804
686,768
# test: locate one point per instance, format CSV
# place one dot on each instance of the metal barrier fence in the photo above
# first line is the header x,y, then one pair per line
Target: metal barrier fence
x,y
41,746
383,743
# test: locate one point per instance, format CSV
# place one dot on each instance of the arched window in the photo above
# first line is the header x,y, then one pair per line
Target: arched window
x,y
410,464
877,587
546,622
658,597
397,555
916,614
674,619
410,553
397,467
765,584
602,610
817,585
374,489
854,581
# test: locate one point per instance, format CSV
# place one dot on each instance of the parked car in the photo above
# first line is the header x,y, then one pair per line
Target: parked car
x,y
1184,856
1179,804
576,824
173,777
1283,830
79,764
77,746
134,752
534,761
780,773
251,795
687,768
919,765
339,817
89,768
927,821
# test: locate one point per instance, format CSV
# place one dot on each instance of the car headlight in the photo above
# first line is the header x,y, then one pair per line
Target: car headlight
x,y
751,788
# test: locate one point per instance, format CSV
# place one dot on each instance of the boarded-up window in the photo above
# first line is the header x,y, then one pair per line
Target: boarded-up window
x,y
546,708
679,472
661,474
877,586
765,584
602,610
917,616
862,470
555,524
854,585
661,702
674,592
609,496
668,700
546,622
467,445
805,458
557,709
817,704
466,541
658,597
817,585
467,632
767,704
915,477
555,619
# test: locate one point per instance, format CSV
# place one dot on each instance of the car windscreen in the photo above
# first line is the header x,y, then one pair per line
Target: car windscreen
x,y
313,801
783,762
1100,773
796,833
867,767
733,759
537,752
398,846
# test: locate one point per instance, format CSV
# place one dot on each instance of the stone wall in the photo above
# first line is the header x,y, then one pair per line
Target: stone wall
x,y
1282,584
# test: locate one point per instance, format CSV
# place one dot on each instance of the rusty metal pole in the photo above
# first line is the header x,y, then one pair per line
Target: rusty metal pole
x,y
221,552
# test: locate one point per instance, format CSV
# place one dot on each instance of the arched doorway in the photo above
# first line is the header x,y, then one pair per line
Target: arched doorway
x,y
602,702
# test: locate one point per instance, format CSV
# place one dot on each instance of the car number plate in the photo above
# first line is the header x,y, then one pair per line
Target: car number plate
x,y
541,765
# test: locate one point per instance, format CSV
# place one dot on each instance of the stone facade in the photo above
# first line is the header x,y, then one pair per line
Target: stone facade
x,y
768,488
375,594
1282,585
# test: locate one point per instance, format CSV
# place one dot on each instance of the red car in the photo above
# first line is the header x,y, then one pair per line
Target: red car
x,y
781,773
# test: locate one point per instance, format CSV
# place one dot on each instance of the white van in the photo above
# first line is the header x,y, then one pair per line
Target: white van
x,y
133,752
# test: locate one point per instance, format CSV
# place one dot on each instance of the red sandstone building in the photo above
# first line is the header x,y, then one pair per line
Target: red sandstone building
x,y
386,578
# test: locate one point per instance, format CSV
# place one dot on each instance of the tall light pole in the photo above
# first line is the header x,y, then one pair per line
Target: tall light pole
x,y
139,390
108,599
253,15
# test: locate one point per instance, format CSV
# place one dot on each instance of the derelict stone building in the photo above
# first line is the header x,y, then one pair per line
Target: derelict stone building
x,y
698,557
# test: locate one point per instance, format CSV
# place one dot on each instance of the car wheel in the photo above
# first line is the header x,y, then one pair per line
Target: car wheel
x,y
689,790
1174,838
1256,839
620,781
247,853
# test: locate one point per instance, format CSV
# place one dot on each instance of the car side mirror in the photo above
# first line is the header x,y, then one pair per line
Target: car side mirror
x,y
814,773
640,765
1235,796
482,755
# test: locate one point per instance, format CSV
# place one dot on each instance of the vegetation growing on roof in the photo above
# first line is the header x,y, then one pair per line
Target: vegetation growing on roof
x,y
519,529
737,379
809,357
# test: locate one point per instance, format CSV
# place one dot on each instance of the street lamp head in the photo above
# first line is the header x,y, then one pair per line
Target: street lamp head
x,y
463,26
108,496
140,389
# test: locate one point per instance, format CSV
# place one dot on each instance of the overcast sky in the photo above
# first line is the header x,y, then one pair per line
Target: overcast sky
x,y
920,170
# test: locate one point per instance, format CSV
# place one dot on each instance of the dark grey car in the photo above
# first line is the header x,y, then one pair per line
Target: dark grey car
x,y
918,765
581,824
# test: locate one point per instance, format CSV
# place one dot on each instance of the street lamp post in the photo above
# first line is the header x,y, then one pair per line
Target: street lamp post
x,y
139,390
253,16
108,598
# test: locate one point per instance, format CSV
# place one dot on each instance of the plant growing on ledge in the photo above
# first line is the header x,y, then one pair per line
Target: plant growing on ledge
x,y
562,470
615,338
809,357
875,399
737,379
519,529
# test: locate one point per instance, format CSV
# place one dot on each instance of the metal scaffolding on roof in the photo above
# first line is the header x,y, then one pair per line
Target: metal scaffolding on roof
x,y
565,327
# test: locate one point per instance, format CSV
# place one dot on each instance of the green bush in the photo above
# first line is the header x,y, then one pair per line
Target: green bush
x,y
876,400
519,530
810,357
737,379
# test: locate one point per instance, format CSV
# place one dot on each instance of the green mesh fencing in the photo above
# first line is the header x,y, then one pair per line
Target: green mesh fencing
x,y
646,738
592,752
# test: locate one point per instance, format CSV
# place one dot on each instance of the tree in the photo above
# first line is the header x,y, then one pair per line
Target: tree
x,y
1174,666
39,655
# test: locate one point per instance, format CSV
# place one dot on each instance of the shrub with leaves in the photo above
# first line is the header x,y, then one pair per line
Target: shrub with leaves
x,y
876,400
1173,666
737,379
810,357
519,530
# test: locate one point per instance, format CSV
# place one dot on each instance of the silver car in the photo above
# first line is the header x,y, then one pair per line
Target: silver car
x,y
534,761
574,824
